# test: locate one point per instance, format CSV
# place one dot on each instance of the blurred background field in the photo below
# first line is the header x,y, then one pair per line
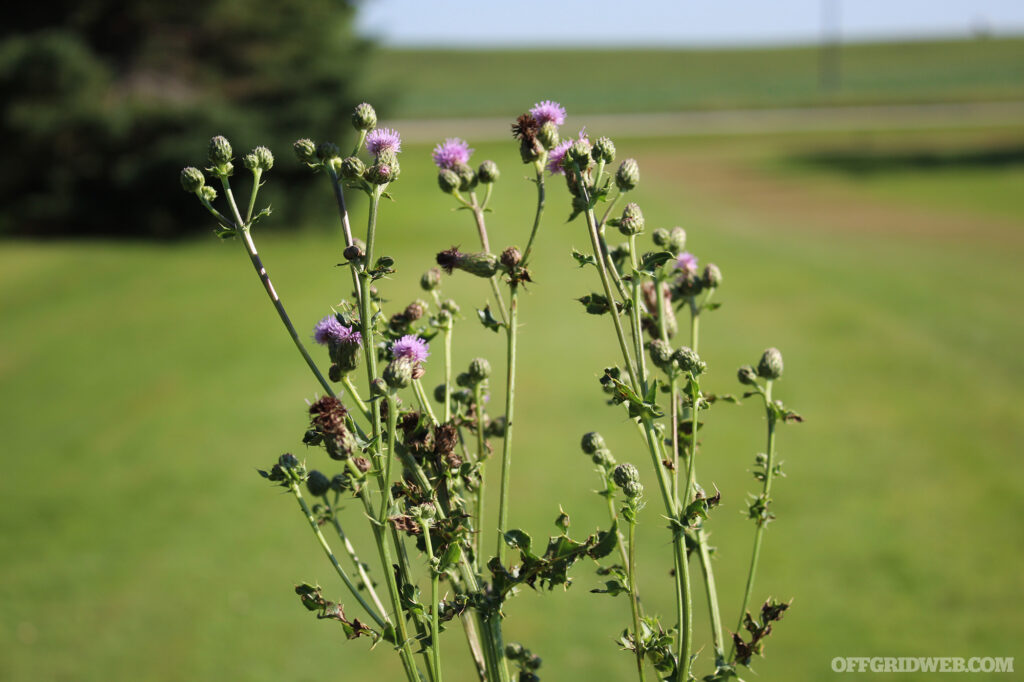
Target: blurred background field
x,y
143,382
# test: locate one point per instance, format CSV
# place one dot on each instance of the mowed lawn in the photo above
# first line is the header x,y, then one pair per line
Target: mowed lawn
x,y
143,384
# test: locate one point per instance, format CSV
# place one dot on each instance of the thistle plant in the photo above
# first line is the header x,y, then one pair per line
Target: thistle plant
x,y
416,460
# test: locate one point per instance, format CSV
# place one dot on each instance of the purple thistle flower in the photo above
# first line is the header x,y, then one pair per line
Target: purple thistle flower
x,y
452,153
687,262
546,111
382,139
410,347
330,330
557,155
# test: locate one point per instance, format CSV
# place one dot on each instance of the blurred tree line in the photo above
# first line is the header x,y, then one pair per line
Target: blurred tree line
x,y
104,101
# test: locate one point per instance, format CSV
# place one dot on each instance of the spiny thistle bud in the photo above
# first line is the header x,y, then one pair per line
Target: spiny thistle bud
x,y
712,276
467,177
479,264
398,373
451,306
448,180
628,175
305,150
488,172
661,353
632,220
207,193
430,280
548,135
511,257
479,370
327,151
379,174
415,310
288,461
688,361
219,153
633,489
352,167
259,159
770,366
578,155
676,240
747,375
317,484
660,237
603,458
625,473
423,512
592,442
604,150
439,393
340,483
364,117
192,179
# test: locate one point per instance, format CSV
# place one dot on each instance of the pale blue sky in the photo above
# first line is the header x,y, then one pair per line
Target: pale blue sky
x,y
674,22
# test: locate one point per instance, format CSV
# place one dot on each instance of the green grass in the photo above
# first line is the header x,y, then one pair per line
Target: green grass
x,y
440,83
143,384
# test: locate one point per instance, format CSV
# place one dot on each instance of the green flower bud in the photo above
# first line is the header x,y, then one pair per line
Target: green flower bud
x,y
398,373
423,512
379,174
712,276
345,357
604,150
633,489
770,366
488,172
479,264
603,458
592,442
747,375
479,370
451,306
548,135
660,237
448,180
192,179
661,354
464,380
530,150
340,483
220,151
632,220
628,175
327,151
439,393
514,651
625,473
364,117
260,159
431,279
305,150
689,361
352,167
467,177
317,484
207,194
677,240
578,155
288,461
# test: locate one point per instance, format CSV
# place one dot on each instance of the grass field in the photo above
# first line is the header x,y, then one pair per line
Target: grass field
x,y
143,384
435,83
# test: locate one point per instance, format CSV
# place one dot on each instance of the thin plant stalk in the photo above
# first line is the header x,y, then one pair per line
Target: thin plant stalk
x,y
435,615
478,394
766,491
633,596
356,562
448,371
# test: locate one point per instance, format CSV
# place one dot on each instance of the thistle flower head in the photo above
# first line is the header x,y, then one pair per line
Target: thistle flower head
x,y
547,110
329,330
410,347
557,155
451,153
686,262
380,140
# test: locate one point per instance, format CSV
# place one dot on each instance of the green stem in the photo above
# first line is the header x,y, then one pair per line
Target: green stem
x,y
256,174
346,227
421,397
634,598
481,228
539,169
356,562
478,394
638,340
448,371
435,615
510,393
354,393
766,491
